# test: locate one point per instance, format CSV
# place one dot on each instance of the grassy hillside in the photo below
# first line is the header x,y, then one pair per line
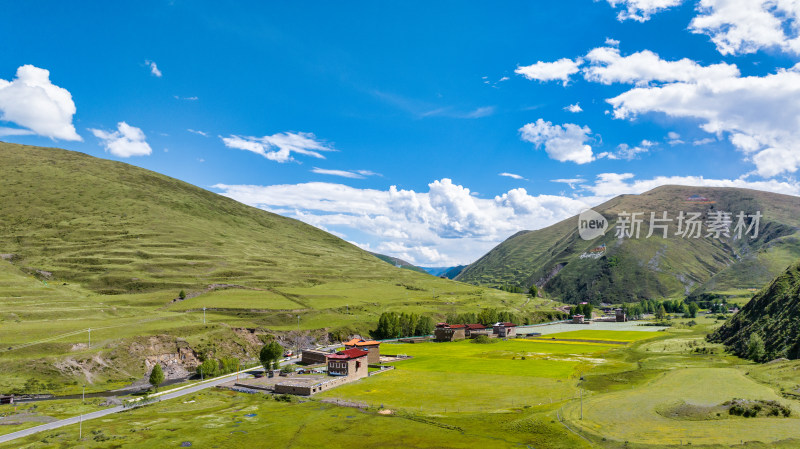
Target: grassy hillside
x,y
632,269
117,228
91,243
773,314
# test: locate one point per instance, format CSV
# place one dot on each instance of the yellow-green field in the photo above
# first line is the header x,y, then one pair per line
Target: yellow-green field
x,y
604,335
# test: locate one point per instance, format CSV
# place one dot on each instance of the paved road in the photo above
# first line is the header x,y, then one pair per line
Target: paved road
x,y
169,394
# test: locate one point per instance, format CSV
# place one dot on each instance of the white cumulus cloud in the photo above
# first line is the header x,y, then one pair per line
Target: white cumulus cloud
x,y
445,225
607,65
40,107
511,175
641,10
563,143
126,141
549,71
574,108
279,147
746,26
760,115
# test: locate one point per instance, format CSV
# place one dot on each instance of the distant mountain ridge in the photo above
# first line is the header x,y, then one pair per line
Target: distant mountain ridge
x,y
609,269
399,263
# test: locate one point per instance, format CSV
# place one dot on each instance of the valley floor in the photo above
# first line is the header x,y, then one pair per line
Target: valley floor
x,y
639,389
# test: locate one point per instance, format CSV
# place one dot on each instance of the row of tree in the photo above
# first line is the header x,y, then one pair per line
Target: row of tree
x,y
661,308
532,290
214,367
399,325
487,317
582,309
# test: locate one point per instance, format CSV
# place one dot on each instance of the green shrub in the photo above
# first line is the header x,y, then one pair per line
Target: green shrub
x,y
483,339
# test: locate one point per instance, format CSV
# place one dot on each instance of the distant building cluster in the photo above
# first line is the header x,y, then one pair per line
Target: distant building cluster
x,y
617,315
453,332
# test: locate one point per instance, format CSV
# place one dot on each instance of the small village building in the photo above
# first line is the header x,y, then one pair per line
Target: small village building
x,y
505,330
313,357
473,330
371,346
578,319
350,363
620,315
449,332
6,399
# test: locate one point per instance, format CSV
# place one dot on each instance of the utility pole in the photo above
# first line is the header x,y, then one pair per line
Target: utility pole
x,y
83,395
80,429
580,388
204,316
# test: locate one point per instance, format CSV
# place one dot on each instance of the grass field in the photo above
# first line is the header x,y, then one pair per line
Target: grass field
x,y
460,393
467,377
223,419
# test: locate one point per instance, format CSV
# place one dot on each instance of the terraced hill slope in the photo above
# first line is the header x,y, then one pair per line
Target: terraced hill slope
x,y
116,228
773,314
558,260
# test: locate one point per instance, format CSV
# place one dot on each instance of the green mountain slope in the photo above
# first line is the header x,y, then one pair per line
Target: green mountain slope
x,y
451,273
117,228
773,314
632,269
399,263
87,243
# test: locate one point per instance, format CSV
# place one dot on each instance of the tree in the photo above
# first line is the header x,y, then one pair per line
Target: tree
x,y
533,291
229,364
693,308
488,317
209,368
156,376
407,323
425,326
661,312
270,354
755,348
182,294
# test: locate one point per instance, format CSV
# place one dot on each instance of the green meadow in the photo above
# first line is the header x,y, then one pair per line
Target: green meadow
x,y
660,389
467,377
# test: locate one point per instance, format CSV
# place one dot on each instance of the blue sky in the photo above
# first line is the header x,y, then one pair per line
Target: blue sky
x,y
426,131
